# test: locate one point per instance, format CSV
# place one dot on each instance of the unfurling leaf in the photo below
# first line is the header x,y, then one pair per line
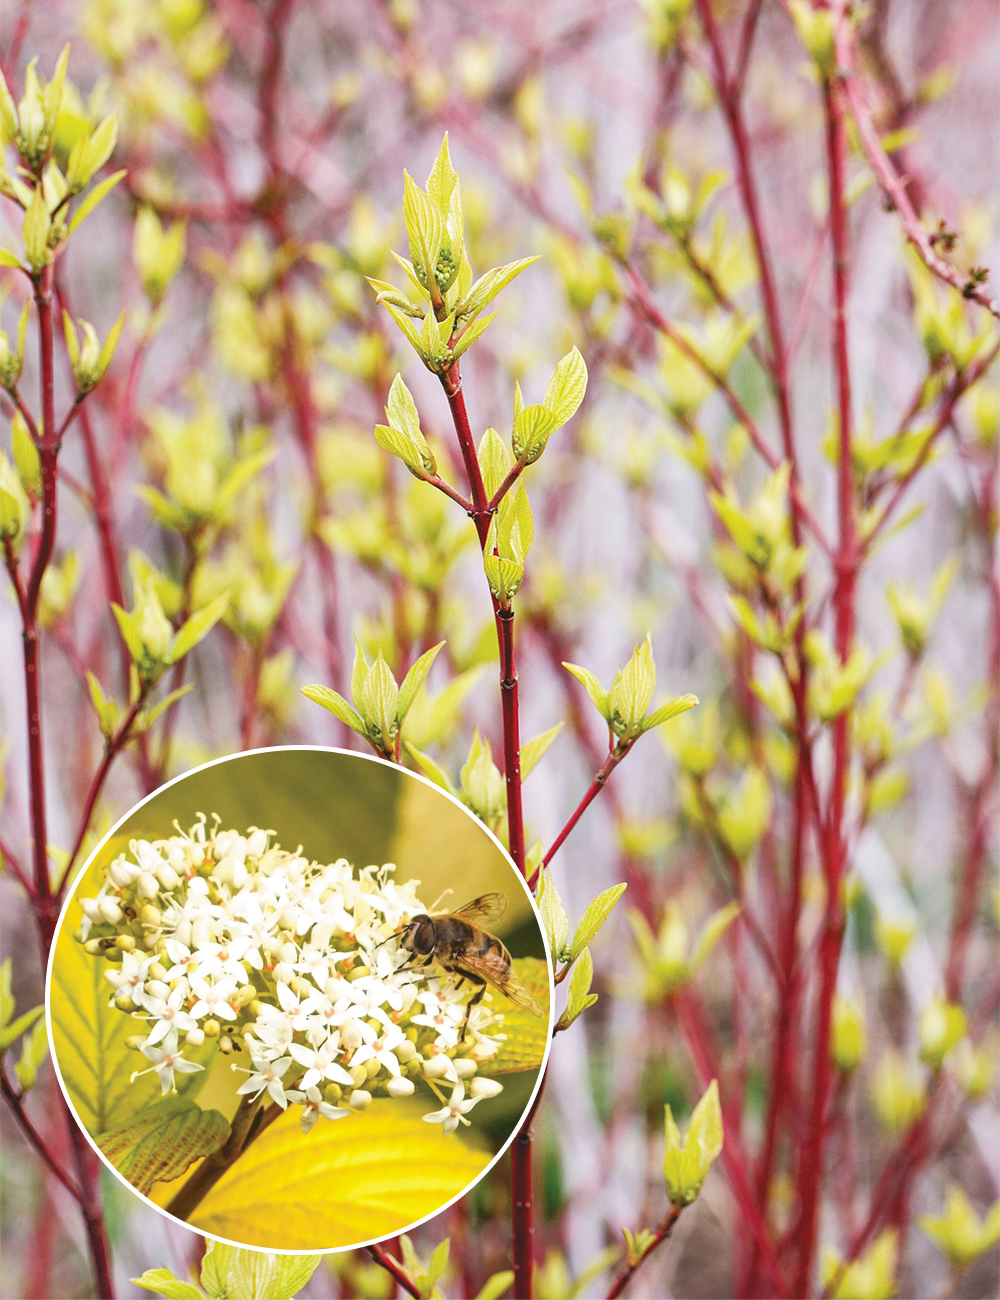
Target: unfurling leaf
x,y
592,686
594,918
335,704
687,1162
198,626
34,1048
553,914
414,679
10,1033
533,750
567,387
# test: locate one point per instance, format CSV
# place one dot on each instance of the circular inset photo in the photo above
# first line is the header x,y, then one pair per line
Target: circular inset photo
x,y
300,999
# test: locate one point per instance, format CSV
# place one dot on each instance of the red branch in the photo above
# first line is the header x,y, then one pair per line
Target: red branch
x,y
659,1236
895,189
393,1267
811,1156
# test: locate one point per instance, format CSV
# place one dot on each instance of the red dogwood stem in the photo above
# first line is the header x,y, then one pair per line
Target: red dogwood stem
x,y
522,1214
835,836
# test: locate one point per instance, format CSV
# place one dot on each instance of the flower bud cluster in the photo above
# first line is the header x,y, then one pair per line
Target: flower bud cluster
x,y
213,934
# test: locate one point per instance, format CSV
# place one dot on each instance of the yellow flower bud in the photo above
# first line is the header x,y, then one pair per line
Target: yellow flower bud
x,y
959,1231
942,1025
849,1036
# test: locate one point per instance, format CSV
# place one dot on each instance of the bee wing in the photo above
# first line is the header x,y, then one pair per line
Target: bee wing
x,y
519,995
484,909
497,973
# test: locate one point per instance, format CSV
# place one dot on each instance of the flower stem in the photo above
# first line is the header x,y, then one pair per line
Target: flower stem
x,y
246,1126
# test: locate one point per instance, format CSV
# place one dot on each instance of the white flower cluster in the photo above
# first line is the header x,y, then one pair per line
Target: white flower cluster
x,y
215,934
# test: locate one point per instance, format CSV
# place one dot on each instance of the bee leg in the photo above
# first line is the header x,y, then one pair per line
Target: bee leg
x,y
474,1001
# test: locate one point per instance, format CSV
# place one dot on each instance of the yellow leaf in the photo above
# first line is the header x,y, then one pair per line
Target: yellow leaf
x,y
527,1034
371,1175
88,1034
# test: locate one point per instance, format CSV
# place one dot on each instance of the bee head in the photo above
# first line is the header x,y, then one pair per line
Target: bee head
x,y
418,936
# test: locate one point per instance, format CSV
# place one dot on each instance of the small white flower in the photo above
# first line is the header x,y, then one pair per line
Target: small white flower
x,y
313,1106
454,1113
168,1013
213,999
266,1077
297,1009
166,1060
132,975
222,959
274,1029
316,963
381,1049
320,1063
257,842
371,994
184,960
445,1019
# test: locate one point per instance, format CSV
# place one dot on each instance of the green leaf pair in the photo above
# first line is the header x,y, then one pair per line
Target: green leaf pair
x,y
150,638
403,436
380,705
625,706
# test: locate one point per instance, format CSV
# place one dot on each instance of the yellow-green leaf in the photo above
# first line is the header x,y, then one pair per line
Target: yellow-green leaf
x,y
162,1141
335,704
92,200
567,386
580,997
554,916
533,750
230,1273
12,1032
88,1036
162,1282
594,917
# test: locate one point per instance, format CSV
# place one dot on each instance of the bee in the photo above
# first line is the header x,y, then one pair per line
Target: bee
x,y
456,942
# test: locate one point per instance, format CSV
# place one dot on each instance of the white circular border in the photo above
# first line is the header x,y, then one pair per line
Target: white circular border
x,y
368,758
